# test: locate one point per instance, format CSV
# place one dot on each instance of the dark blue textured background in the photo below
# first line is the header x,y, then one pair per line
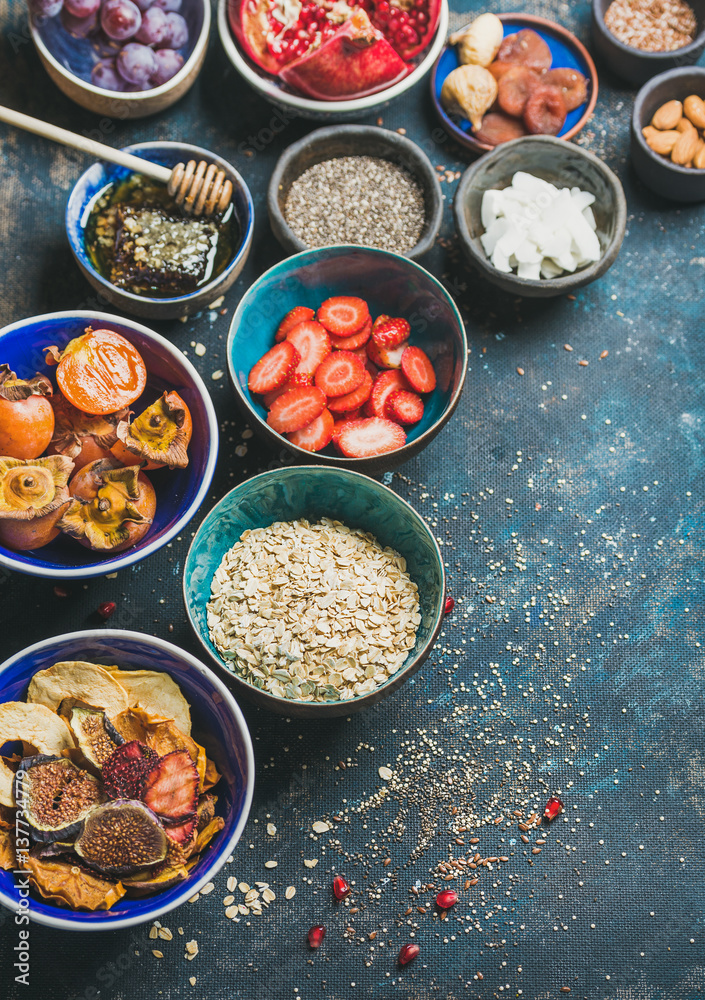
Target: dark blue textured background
x,y
604,465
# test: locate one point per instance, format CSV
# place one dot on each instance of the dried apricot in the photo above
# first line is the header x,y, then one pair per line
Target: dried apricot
x,y
498,69
545,111
527,48
571,83
498,127
515,86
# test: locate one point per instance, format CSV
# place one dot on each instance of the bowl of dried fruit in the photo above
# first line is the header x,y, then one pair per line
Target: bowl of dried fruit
x,y
668,134
508,75
108,444
349,356
141,251
315,591
540,217
158,763
121,58
323,59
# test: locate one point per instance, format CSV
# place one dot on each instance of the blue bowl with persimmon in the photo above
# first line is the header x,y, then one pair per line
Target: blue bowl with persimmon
x,y
108,444
348,356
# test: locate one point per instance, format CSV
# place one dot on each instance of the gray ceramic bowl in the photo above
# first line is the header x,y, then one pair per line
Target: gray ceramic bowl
x,y
353,140
659,173
564,165
634,65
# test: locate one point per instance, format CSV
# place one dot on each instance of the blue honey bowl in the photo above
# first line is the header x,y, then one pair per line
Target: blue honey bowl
x,y
180,492
313,492
218,724
391,284
92,184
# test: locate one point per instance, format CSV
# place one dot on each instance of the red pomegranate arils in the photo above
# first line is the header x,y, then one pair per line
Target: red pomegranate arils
x,y
316,935
449,605
444,900
341,887
408,953
554,807
106,610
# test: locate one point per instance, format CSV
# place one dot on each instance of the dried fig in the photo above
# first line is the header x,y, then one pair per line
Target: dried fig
x,y
479,43
469,91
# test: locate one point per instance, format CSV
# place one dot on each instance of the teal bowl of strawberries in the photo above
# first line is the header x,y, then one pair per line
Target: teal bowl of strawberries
x,y
347,356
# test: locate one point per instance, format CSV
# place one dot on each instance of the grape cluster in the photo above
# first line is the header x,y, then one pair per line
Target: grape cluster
x,y
146,33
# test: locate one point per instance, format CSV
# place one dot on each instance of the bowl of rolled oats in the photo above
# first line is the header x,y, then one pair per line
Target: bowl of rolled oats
x,y
315,591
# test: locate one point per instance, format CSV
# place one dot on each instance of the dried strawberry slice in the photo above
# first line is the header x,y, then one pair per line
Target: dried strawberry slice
x,y
181,832
124,770
295,316
273,368
170,788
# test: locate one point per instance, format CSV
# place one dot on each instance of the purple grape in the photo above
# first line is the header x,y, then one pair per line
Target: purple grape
x,y
168,5
153,30
45,8
168,64
81,8
136,63
176,32
144,4
120,19
79,27
106,76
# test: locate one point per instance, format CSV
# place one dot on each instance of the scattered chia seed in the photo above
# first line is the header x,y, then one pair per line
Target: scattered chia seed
x,y
356,199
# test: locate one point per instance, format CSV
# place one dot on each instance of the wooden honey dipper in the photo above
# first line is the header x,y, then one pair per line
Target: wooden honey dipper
x,y
198,188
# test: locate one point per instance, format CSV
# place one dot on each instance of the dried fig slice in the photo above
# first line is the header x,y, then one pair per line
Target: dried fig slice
x,y
157,437
121,837
94,733
498,127
545,111
171,787
572,85
67,884
35,725
55,795
124,770
514,89
527,48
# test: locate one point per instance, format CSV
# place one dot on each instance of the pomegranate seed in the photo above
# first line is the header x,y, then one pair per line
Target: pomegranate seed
x,y
449,605
316,935
554,806
408,953
444,900
341,887
60,591
106,610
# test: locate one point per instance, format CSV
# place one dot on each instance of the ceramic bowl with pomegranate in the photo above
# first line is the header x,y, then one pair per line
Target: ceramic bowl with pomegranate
x,y
332,58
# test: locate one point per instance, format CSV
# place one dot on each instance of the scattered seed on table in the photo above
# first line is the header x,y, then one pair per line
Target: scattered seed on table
x,y
290,892
386,773
271,829
271,864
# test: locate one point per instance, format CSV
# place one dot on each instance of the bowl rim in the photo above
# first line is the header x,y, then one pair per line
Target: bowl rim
x,y
139,96
598,20
395,681
133,555
422,168
564,282
340,461
637,110
65,923
267,88
467,139
248,229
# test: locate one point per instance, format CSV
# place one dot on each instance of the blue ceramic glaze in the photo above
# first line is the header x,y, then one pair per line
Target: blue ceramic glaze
x,y
217,723
180,492
313,492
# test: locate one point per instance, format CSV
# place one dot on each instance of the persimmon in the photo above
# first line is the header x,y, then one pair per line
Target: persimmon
x,y
99,372
81,436
157,437
33,497
26,415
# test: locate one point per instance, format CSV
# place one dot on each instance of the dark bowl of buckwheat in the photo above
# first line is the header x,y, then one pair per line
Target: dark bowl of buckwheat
x,y
638,39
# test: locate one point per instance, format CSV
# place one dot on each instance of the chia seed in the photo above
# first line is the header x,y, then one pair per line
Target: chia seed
x,y
356,199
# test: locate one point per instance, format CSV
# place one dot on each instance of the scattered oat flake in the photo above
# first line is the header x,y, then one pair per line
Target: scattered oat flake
x,y
208,887
386,773
320,826
157,953
199,350
165,934
227,900
217,302
290,892
217,374
192,980
312,863
191,949
271,829
244,887
268,895
231,911
153,931
231,884
192,899
271,864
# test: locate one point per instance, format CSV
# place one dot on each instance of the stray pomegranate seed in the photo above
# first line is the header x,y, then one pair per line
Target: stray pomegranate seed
x,y
341,887
554,806
449,605
316,935
60,591
444,900
408,953
106,610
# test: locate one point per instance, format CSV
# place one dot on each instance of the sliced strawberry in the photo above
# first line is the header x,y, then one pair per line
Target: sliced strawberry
x,y
274,368
295,409
269,397
339,374
383,386
418,370
382,318
373,353
351,400
298,379
391,356
357,339
370,436
295,316
313,344
404,407
345,418
170,788
181,832
315,435
391,332
343,315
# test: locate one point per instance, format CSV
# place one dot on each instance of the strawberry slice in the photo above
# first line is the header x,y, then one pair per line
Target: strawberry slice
x,y
315,435
404,407
345,418
391,356
274,368
391,332
295,316
181,832
351,400
373,353
339,374
370,436
170,788
295,409
357,339
299,379
385,384
312,342
269,397
418,370
343,315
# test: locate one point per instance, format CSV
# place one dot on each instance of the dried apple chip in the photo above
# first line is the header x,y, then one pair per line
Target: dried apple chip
x,y
207,833
156,694
8,858
36,725
88,682
68,885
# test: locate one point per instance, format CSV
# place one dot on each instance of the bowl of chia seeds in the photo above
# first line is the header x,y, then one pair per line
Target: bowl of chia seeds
x,y
356,184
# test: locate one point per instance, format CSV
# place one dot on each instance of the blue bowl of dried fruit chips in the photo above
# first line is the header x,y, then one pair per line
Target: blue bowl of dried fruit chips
x,y
565,53
179,491
315,493
181,284
131,686
389,284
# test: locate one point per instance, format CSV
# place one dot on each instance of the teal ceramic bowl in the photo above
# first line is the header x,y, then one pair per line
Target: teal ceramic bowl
x,y
390,284
313,492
